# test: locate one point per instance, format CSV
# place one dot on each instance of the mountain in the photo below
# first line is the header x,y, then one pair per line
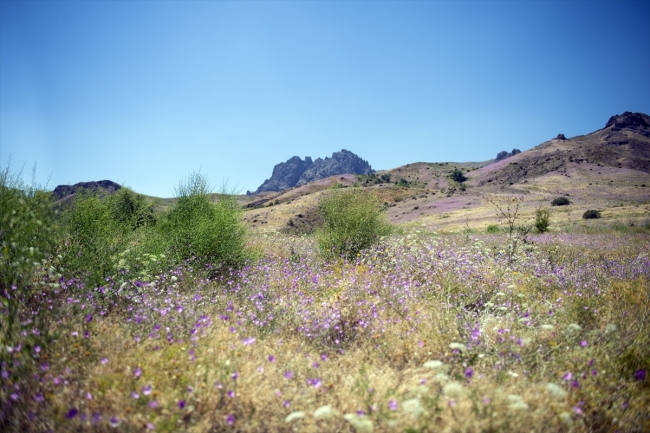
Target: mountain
x,y
296,172
100,187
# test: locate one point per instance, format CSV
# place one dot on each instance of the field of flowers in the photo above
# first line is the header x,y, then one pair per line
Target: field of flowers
x,y
423,332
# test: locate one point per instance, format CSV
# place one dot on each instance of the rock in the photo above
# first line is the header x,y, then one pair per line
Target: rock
x,y
503,154
560,137
296,172
101,187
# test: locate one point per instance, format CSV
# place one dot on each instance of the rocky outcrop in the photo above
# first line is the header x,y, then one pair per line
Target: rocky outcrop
x,y
560,137
638,122
503,154
101,187
296,172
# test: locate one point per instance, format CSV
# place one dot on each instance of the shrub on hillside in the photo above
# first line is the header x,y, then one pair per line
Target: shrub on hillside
x,y
542,220
493,229
457,176
560,201
591,214
353,221
131,209
196,228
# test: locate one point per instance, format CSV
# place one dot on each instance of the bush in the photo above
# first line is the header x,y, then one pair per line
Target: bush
x,y
591,214
353,221
542,220
457,176
197,228
28,235
131,209
94,234
560,201
493,229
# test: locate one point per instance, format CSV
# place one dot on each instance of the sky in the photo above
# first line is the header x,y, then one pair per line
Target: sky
x,y
146,92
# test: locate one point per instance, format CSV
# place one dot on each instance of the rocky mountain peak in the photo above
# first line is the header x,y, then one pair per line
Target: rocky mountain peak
x,y
102,186
639,122
296,172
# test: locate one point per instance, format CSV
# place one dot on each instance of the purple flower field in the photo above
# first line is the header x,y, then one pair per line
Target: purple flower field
x,y
423,332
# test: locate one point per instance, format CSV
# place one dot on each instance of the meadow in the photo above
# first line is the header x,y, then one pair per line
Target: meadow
x,y
419,331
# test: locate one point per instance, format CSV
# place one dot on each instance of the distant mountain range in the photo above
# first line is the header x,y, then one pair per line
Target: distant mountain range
x,y
296,172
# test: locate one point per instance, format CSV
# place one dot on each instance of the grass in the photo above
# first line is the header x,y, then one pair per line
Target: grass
x,y
402,338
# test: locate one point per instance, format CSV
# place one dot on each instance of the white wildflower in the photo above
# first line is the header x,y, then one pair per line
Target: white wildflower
x,y
294,416
360,423
434,364
458,346
326,411
556,390
441,378
516,403
547,326
574,327
566,418
453,389
413,406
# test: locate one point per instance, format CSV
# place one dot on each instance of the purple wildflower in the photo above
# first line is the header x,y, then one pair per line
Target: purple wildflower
x,y
72,413
584,343
138,372
153,404
271,358
567,376
288,374
230,393
248,341
235,375
640,374
89,318
114,421
146,390
469,372
392,405
230,419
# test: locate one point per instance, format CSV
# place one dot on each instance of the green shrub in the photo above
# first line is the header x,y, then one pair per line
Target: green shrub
x,y
197,228
591,214
542,220
560,201
93,236
28,236
457,176
131,209
493,229
353,221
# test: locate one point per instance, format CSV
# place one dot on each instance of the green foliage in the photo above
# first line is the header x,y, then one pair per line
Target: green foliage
x,y
493,229
28,236
353,221
210,232
542,220
560,201
131,209
457,176
94,234
591,214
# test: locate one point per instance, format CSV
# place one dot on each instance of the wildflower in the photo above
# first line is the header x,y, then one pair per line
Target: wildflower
x,y
325,412
315,382
392,405
271,358
89,396
315,364
517,403
583,343
567,376
114,422
323,357
286,403
577,410
72,413
37,349
413,406
230,393
640,374
469,372
248,341
153,404
433,364
146,390
235,375
556,390
181,404
89,318
137,372
104,361
135,395
230,419
150,426
294,416
453,389
45,366
457,346
575,384
288,374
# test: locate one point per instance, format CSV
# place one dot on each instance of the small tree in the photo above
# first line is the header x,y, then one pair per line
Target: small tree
x,y
509,216
457,176
353,221
542,220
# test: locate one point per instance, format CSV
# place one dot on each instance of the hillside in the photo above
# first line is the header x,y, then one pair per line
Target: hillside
x,y
608,170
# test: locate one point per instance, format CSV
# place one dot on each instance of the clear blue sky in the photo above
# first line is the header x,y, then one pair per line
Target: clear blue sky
x,y
145,92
